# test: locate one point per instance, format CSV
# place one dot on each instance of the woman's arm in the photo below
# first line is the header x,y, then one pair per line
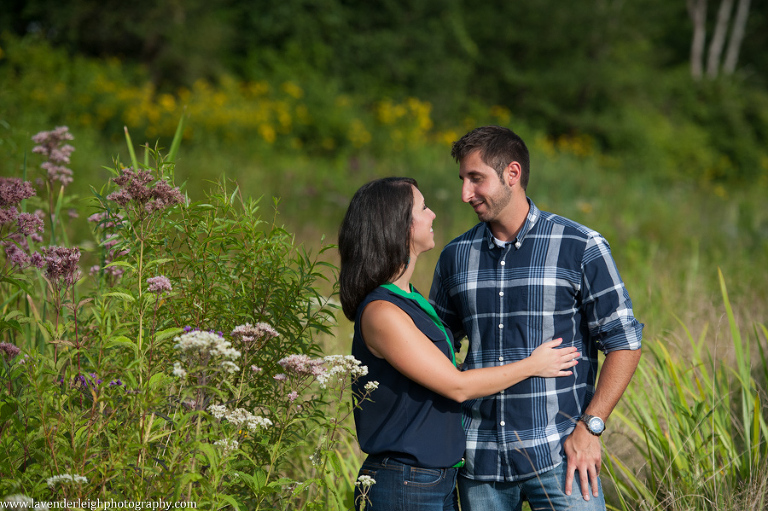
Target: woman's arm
x,y
391,334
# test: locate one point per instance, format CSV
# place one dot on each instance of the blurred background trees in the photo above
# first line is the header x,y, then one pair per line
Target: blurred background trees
x,y
620,72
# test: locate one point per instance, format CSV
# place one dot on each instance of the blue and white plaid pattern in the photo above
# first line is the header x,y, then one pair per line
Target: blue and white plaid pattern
x,y
556,279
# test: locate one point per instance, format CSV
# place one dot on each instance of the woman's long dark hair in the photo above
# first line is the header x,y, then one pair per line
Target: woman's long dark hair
x,y
374,238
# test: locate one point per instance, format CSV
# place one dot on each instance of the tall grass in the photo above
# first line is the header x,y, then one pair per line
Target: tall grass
x,y
698,417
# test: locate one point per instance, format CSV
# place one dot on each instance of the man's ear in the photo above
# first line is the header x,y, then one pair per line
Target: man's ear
x,y
512,173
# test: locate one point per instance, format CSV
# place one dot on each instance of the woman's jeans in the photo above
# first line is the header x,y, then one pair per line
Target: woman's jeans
x,y
543,492
402,487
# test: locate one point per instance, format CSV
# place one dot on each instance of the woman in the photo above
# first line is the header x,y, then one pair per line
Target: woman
x,y
411,428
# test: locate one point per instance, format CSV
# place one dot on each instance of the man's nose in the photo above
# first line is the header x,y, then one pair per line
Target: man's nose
x,y
466,191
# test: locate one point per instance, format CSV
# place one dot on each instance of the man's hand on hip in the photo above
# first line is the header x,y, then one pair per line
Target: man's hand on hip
x,y
584,454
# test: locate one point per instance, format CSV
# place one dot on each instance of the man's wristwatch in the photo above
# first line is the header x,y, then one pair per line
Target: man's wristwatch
x,y
595,425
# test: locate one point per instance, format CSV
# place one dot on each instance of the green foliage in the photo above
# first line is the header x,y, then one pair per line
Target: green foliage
x,y
700,424
184,367
301,76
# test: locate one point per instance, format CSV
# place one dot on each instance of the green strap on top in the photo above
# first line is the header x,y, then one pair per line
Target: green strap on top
x,y
426,307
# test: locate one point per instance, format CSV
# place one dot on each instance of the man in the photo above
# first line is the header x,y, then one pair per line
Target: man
x,y
519,278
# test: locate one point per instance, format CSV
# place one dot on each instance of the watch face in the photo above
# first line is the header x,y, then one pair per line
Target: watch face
x,y
596,425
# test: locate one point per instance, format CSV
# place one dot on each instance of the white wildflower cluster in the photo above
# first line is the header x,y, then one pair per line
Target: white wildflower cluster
x,y
230,366
341,366
365,481
227,446
179,371
240,417
217,411
65,478
371,386
209,343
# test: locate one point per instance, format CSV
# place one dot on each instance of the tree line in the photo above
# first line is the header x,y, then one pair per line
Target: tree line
x,y
610,69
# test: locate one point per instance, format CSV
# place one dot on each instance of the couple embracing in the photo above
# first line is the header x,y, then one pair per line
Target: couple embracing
x,y
536,296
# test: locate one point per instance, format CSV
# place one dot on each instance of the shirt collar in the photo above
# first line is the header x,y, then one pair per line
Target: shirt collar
x,y
530,221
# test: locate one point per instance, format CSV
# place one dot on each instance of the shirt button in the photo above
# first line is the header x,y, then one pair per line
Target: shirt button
x,y
501,392
501,293
501,326
517,245
502,423
503,263
501,359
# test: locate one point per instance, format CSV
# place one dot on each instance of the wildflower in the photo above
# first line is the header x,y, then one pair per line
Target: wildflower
x,y
240,416
256,369
9,350
159,284
50,146
249,333
29,224
208,343
302,365
292,396
217,411
227,446
61,263
9,215
230,366
13,190
365,481
371,386
16,255
280,377
65,478
135,187
178,370
116,383
106,220
342,366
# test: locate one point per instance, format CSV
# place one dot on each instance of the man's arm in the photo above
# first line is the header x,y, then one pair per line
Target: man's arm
x,y
582,448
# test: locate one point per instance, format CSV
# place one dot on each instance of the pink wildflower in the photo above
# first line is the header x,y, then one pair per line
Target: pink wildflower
x,y
61,263
159,284
13,190
29,224
16,255
9,350
250,333
49,144
302,365
292,396
135,188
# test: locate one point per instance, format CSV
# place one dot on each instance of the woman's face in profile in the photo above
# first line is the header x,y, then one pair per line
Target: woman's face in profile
x,y
422,237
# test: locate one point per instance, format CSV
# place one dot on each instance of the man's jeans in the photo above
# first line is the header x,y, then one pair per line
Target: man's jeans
x,y
405,488
546,492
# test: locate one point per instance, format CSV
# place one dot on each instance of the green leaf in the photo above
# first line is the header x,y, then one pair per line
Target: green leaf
x,y
168,332
123,296
124,342
176,143
134,160
122,264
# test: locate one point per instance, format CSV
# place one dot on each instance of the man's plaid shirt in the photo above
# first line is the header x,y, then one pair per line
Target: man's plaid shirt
x,y
557,279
